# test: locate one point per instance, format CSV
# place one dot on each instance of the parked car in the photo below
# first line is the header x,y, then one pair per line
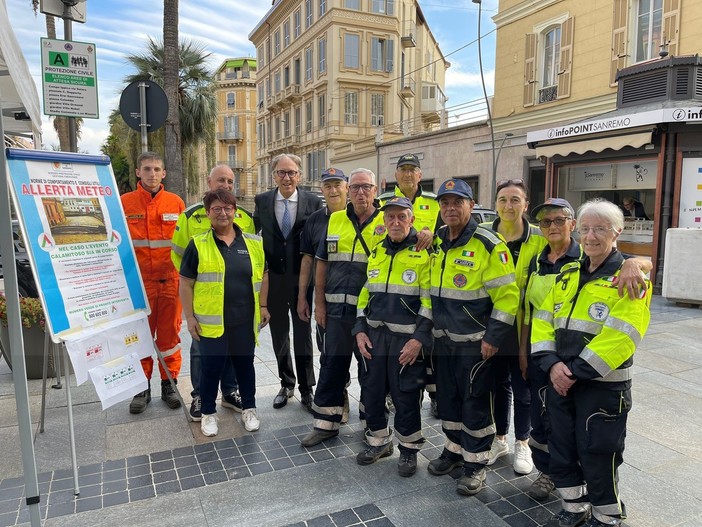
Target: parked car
x,y
483,215
25,278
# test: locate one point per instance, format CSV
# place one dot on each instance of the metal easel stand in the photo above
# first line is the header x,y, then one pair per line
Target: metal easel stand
x,y
162,361
56,350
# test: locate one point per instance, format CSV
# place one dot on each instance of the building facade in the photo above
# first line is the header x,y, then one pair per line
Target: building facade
x,y
235,81
337,76
603,100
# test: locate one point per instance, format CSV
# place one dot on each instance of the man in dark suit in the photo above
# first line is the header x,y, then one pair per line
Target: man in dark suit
x,y
280,215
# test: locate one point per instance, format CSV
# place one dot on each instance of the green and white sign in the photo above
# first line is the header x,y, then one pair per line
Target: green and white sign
x,y
69,78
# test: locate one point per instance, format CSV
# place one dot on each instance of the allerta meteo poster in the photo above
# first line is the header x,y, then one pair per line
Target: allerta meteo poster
x,y
77,237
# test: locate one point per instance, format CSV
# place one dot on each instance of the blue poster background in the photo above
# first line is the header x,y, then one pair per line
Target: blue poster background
x,y
30,217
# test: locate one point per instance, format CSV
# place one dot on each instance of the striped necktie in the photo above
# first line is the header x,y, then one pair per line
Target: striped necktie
x,y
286,220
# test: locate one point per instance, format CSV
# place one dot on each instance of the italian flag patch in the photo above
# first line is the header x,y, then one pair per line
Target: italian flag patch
x,y
424,207
469,254
504,258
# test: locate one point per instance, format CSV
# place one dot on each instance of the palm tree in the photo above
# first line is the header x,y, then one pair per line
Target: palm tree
x,y
195,95
174,140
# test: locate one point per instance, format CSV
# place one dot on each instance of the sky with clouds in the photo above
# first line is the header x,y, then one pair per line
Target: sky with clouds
x,y
122,28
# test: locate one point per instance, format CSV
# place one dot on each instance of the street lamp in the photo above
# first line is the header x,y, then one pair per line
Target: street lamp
x,y
493,176
499,151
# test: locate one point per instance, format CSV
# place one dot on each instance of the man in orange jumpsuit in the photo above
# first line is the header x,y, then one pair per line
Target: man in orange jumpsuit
x,y
152,213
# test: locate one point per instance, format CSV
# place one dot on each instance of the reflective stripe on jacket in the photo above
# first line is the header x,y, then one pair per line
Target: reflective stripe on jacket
x,y
396,293
531,247
194,220
588,326
208,292
474,295
347,260
151,221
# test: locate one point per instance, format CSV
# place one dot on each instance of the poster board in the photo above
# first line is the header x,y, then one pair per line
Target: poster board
x,y
84,265
77,238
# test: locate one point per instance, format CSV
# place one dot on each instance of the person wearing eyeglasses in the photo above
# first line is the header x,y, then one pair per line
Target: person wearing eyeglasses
x,y
474,300
584,335
192,221
342,260
280,215
524,242
224,289
556,219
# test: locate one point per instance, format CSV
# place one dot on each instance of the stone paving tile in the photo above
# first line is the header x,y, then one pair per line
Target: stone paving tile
x,y
365,515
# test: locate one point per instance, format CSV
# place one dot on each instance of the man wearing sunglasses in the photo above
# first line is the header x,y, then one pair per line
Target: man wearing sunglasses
x,y
281,214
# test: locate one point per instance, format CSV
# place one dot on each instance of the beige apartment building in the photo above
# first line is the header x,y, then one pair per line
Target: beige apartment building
x,y
603,99
235,81
337,76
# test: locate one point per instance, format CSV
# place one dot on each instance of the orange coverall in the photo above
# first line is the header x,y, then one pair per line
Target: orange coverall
x,y
151,221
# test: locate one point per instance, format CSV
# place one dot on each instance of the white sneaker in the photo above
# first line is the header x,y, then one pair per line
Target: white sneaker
x,y
522,458
498,449
251,422
208,425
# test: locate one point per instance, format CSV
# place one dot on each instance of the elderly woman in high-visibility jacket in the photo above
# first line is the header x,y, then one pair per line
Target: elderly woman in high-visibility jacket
x,y
584,336
224,288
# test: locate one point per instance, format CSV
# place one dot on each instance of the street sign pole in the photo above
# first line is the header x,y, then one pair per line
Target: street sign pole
x,y
143,124
68,35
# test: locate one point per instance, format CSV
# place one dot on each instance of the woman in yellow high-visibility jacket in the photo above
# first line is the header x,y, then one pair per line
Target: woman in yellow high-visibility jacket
x,y
224,288
584,336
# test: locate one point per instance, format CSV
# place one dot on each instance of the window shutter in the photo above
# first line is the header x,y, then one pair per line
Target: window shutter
x,y
530,70
671,25
619,38
390,55
565,65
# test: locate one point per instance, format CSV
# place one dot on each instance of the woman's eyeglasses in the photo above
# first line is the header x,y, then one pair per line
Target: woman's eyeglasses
x,y
560,222
509,182
219,210
597,231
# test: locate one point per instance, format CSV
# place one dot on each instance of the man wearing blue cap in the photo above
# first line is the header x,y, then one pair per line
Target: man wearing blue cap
x,y
392,333
425,208
335,190
474,300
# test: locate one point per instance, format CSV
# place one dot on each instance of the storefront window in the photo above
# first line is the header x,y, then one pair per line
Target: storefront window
x,y
629,184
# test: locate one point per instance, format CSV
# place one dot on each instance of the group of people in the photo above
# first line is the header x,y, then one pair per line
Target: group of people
x,y
482,317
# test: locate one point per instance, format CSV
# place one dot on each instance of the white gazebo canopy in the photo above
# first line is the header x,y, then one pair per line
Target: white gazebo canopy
x,y
21,113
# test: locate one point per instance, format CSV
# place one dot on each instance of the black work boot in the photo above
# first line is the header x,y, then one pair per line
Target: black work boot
x,y
138,404
407,465
168,394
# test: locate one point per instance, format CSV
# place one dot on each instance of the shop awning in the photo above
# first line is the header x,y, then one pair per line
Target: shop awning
x,y
595,145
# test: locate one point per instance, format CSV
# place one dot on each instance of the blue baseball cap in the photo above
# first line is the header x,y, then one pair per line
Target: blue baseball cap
x,y
554,203
397,201
457,187
331,174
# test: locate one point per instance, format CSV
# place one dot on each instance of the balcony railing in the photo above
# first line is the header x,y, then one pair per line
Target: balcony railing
x,y
548,94
230,135
234,164
407,87
409,34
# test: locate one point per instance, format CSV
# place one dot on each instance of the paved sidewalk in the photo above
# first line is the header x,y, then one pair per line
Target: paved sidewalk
x,y
157,469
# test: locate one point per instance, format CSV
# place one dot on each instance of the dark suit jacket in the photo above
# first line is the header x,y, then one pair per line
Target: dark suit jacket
x,y
283,255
